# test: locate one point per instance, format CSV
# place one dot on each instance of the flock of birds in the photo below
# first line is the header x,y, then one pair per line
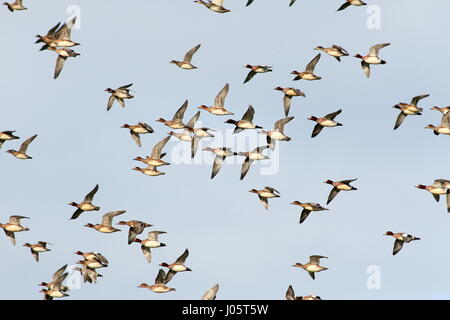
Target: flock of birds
x,y
58,40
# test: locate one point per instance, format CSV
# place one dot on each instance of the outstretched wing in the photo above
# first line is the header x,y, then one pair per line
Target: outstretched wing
x,y
190,53
220,99
312,64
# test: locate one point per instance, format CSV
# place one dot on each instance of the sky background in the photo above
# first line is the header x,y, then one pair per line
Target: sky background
x,y
232,240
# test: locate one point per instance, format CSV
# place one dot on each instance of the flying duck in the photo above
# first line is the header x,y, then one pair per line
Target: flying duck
x,y
245,122
254,70
106,225
277,133
22,152
312,266
308,74
400,238
371,58
343,185
221,154
218,107
186,63
288,94
265,194
408,109
152,241
119,94
307,208
327,121
86,205
136,130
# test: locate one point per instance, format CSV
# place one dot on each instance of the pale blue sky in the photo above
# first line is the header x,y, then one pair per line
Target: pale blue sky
x,y
232,240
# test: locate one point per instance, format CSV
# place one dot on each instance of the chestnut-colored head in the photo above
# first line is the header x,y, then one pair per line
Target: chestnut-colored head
x,y
312,118
297,203
421,186
328,181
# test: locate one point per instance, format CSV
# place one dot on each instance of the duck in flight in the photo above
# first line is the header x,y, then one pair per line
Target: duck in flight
x,y
22,152
250,157
221,154
254,70
214,5
177,119
335,51
349,3
400,238
371,58
218,107
86,204
186,63
407,109
106,225
288,94
307,209
277,133
119,94
13,226
265,194
312,266
343,185
308,74
245,122
136,130
326,121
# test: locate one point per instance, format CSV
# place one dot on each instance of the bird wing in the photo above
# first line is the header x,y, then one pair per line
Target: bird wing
x,y
316,130
211,293
170,274
316,259
398,244
193,120
366,68
333,115
59,272
344,6
281,123
286,104
156,151
183,257
305,213
180,112
16,219
290,295
333,194
147,253
90,195
416,99
194,145
312,64
264,201
399,120
245,167
10,236
190,53
220,99
136,138
24,145
250,75
218,2
216,166
108,217
373,52
110,102
249,114
125,87
160,277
